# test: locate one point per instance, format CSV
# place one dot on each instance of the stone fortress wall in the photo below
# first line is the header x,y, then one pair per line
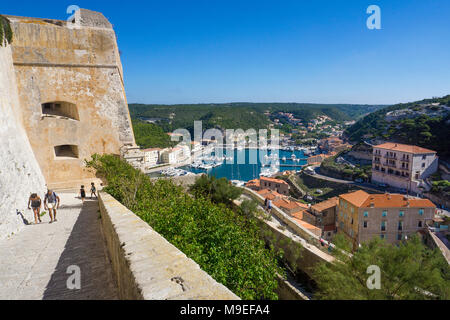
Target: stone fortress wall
x,y
62,99
71,93
20,174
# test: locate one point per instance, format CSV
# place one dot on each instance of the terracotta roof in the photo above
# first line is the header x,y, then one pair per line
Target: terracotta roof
x,y
270,194
364,200
356,198
273,180
288,204
308,226
298,215
403,148
252,183
332,202
396,201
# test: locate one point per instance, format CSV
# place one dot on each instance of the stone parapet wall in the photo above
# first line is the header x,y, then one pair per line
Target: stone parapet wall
x,y
146,266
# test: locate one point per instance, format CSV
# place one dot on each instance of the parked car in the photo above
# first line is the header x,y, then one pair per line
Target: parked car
x,y
382,185
359,180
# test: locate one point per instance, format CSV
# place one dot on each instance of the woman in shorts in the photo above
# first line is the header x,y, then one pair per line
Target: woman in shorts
x,y
36,204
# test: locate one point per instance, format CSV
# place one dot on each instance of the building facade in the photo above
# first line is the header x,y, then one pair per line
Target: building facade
x,y
151,156
403,166
393,217
277,185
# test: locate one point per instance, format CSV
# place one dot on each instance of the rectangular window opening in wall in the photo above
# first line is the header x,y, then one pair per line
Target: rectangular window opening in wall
x,y
66,152
60,109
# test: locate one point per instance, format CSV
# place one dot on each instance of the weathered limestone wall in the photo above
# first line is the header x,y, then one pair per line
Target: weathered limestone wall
x,y
20,174
146,266
81,66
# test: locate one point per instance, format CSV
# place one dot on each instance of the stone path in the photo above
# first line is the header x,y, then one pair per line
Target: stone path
x,y
34,262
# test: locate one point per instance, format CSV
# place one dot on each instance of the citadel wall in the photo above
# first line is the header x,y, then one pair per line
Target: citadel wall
x,y
71,94
20,174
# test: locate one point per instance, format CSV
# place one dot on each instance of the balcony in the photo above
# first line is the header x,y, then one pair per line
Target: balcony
x,y
387,156
391,165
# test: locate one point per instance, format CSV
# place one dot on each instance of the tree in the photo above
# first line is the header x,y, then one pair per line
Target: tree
x,y
6,34
225,243
218,190
408,271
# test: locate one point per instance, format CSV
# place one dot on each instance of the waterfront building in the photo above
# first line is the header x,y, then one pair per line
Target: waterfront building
x,y
151,156
403,166
362,216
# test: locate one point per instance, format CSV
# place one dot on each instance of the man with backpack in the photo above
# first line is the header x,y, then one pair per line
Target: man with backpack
x,y
51,203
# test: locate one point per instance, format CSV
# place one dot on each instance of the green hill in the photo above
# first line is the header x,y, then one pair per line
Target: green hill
x,y
241,115
425,123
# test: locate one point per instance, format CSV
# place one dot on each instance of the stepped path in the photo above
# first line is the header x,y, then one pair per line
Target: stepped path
x,y
34,262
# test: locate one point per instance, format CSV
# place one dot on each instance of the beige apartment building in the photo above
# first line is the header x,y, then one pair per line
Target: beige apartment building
x,y
277,185
393,217
403,166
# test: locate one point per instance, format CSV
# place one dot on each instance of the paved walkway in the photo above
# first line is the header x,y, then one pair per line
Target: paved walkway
x,y
34,262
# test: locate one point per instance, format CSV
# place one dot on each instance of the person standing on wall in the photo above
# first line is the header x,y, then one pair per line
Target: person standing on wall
x,y
36,204
51,203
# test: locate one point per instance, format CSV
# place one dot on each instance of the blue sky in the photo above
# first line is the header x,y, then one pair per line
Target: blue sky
x,y
273,51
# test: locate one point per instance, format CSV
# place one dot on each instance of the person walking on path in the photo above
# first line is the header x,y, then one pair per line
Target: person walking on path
x,y
269,206
82,194
51,203
36,204
93,190
265,204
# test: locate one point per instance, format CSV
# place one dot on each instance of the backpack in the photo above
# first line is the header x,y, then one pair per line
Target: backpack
x,y
51,198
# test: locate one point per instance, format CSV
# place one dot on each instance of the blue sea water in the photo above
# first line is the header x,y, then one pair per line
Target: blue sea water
x,y
251,167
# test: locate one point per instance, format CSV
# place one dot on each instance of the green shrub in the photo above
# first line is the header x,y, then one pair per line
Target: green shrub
x,y
224,243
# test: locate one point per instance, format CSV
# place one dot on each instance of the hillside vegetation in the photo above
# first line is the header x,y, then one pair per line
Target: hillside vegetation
x,y
423,124
240,115
224,242
150,135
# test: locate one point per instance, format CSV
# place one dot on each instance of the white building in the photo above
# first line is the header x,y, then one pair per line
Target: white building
x,y
175,155
168,156
151,156
403,166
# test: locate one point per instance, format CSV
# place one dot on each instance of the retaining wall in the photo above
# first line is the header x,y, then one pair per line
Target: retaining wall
x,y
146,266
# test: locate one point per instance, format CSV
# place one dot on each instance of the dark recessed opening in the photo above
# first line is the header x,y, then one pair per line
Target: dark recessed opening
x,y
66,151
61,109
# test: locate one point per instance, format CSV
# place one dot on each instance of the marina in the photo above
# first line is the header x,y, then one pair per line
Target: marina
x,y
247,164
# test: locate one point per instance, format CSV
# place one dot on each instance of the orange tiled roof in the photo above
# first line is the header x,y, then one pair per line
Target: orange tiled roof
x,y
288,204
326,204
270,194
253,183
363,199
273,180
395,201
404,148
307,225
356,198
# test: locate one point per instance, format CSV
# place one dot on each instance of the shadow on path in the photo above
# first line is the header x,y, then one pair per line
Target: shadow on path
x,y
84,248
